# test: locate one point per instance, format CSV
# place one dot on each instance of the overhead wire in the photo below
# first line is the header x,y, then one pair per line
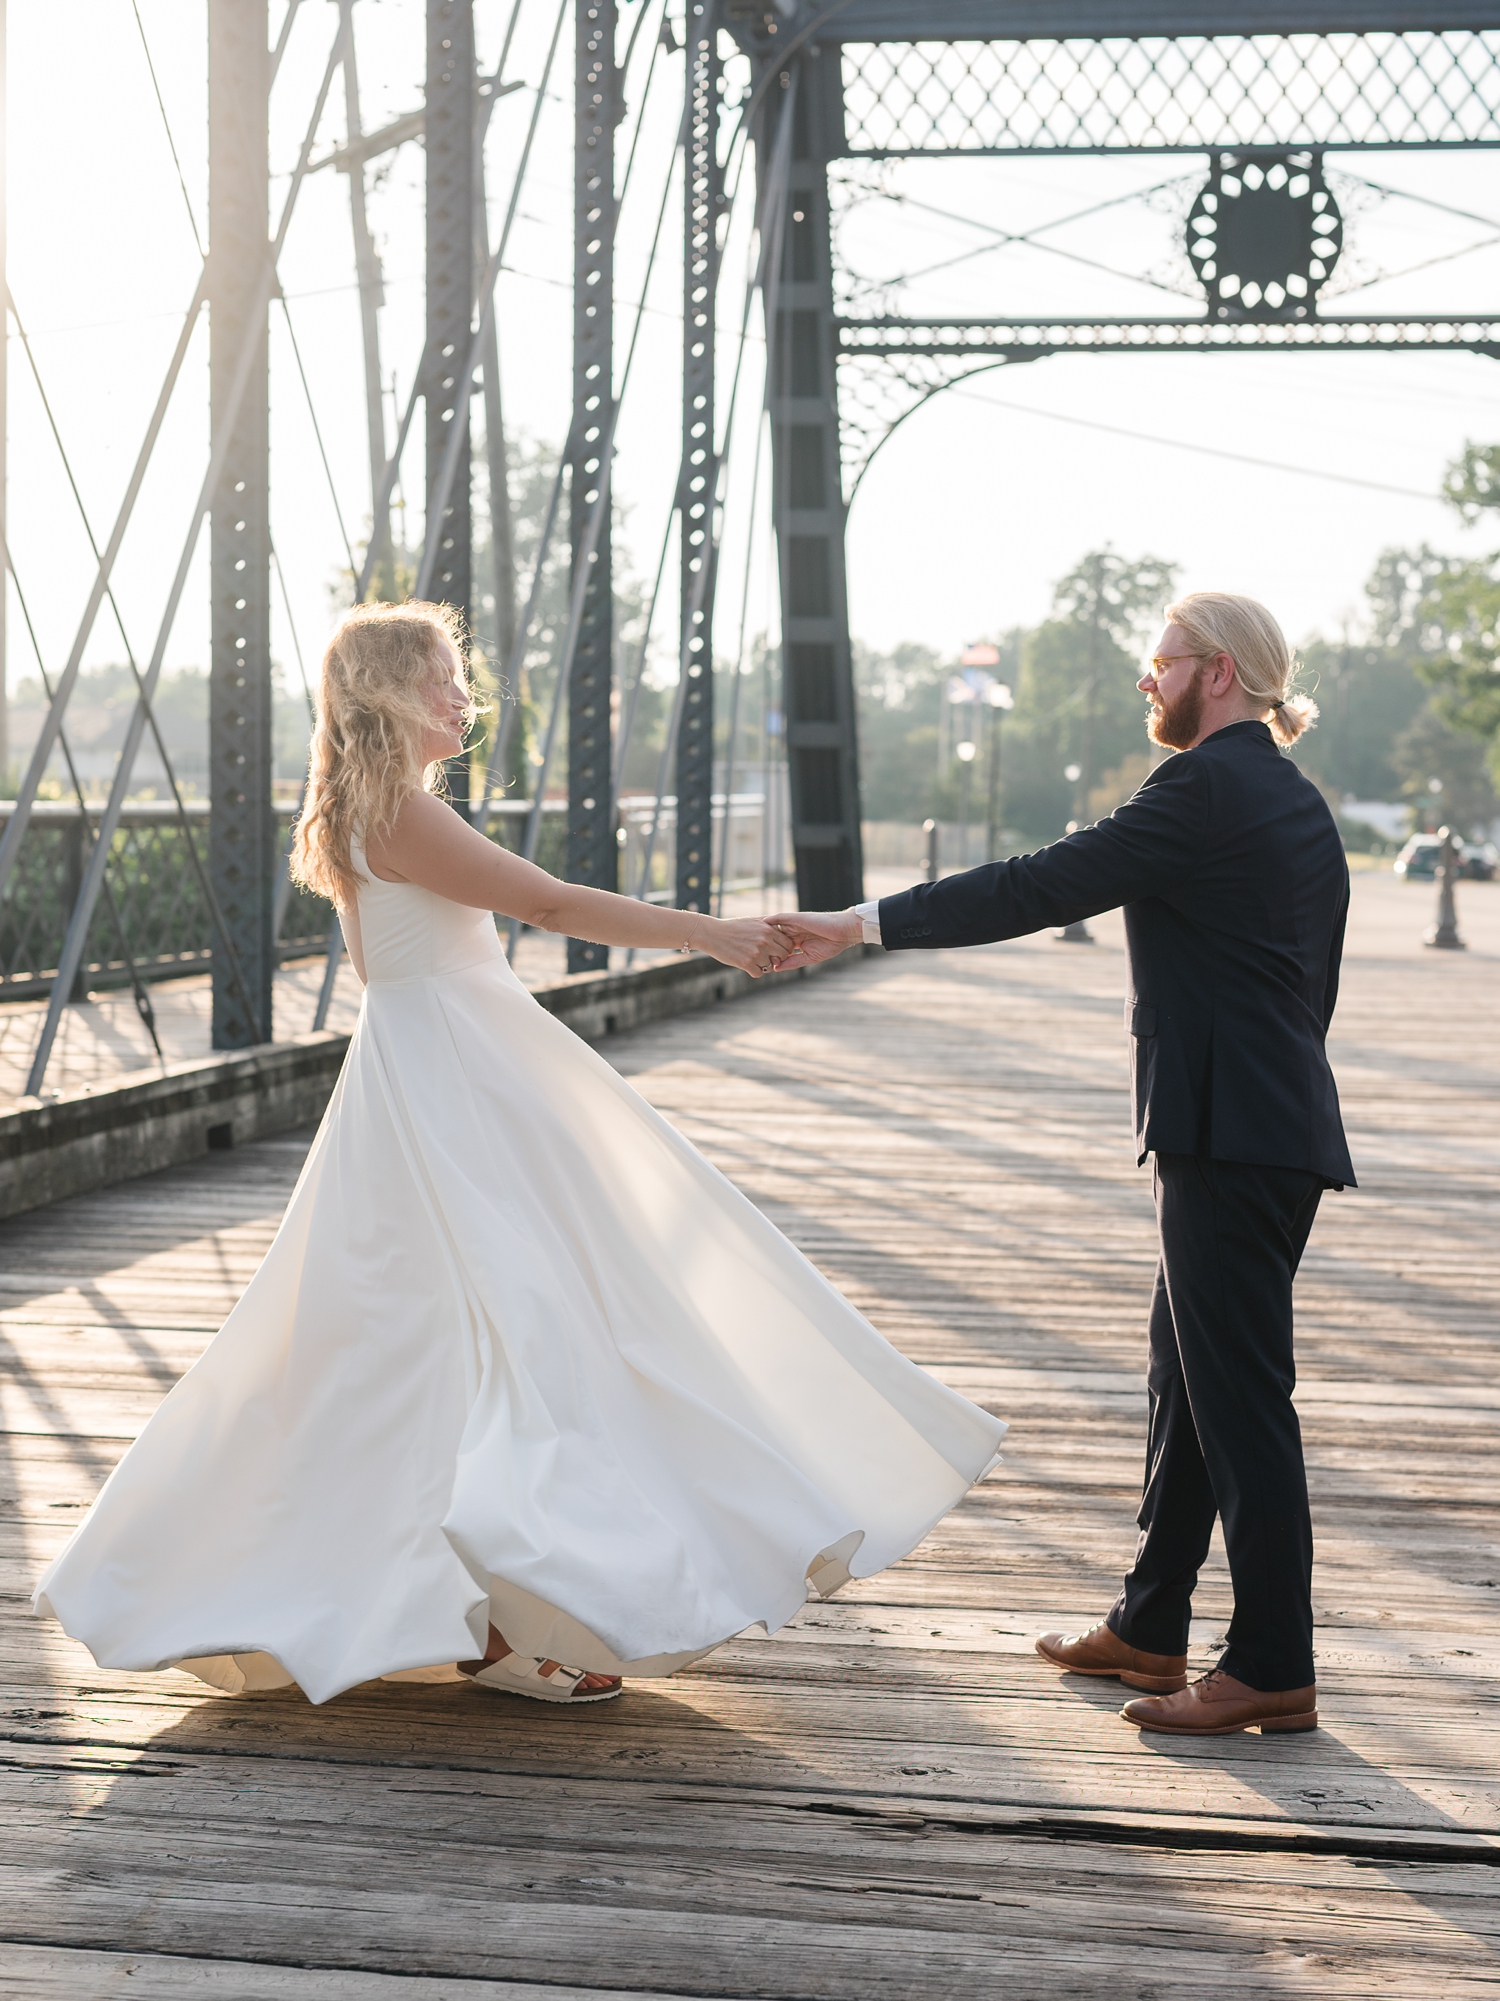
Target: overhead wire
x,y
1203,451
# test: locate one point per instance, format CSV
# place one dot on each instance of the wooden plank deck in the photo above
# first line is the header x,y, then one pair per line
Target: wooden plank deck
x,y
894,1798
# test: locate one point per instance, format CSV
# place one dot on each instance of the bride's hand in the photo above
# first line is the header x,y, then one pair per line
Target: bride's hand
x,y
748,943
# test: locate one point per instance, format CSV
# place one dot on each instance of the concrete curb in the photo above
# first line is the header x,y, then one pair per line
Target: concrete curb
x,y
54,1147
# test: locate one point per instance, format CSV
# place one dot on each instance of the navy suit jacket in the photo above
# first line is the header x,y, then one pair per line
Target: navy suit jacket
x,y
1235,891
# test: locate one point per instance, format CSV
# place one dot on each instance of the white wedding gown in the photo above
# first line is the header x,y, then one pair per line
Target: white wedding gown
x,y
517,1353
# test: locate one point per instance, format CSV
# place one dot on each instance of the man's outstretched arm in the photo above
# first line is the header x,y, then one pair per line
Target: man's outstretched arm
x,y
1150,844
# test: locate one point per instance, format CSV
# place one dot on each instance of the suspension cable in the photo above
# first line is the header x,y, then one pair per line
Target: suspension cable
x,y
167,128
333,492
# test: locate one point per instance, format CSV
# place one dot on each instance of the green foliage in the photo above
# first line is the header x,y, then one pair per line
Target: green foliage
x,y
1366,696
1452,610
1076,702
1119,595
1472,482
1429,750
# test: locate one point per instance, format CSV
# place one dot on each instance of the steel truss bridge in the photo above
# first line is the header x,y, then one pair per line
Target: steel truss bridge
x,y
1262,92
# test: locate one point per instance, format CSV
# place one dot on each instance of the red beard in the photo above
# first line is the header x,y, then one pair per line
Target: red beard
x,y
1175,725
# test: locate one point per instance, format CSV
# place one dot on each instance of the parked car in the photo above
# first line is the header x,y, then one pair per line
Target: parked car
x,y
1419,859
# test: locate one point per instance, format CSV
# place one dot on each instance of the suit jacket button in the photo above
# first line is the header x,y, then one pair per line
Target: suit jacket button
x,y
926,930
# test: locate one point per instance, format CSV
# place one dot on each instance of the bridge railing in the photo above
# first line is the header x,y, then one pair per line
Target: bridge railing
x,y
158,895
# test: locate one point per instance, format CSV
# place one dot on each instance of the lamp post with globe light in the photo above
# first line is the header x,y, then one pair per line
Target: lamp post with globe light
x,y
999,698
1078,933
976,687
965,752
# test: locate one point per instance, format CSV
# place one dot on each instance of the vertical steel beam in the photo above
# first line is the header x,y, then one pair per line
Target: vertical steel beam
x,y
702,190
593,856
371,289
450,302
821,725
242,847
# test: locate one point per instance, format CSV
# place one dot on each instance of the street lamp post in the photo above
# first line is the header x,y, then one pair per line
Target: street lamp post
x,y
999,698
965,752
1444,934
1077,933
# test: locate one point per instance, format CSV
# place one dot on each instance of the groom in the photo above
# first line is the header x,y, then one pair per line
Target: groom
x,y
1235,890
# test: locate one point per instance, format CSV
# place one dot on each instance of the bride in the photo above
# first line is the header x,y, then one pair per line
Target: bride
x,y
523,1381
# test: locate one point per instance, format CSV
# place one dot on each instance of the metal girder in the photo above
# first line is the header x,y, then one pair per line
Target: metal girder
x,y
371,290
818,677
450,305
242,848
1089,20
593,854
1029,340
702,192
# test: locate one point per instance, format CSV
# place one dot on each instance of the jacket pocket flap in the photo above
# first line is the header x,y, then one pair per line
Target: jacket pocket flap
x,y
1139,1019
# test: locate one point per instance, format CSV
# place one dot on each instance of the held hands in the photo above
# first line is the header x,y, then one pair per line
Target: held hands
x,y
816,935
754,945
761,945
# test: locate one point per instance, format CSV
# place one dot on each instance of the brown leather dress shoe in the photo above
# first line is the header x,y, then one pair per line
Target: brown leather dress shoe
x,y
1101,1651
1218,1705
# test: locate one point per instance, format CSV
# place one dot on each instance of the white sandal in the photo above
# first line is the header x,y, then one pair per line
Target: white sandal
x,y
521,1674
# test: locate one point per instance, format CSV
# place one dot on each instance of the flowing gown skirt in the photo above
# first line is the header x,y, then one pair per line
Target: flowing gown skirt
x,y
517,1353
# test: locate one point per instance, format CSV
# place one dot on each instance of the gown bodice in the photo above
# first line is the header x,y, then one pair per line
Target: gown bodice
x,y
410,933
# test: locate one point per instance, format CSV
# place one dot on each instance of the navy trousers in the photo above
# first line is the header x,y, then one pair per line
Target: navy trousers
x,y
1223,1438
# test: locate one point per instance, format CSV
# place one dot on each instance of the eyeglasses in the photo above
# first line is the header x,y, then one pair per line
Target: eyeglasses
x,y
1162,660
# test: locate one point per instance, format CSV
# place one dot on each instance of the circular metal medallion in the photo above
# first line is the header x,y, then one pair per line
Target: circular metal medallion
x,y
1264,235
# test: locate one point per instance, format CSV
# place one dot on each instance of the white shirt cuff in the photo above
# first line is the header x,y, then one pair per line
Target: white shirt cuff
x,y
869,916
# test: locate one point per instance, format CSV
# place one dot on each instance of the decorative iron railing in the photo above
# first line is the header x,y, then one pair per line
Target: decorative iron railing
x,y
158,896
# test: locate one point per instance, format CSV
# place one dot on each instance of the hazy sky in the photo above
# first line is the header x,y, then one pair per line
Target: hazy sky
x,y
965,518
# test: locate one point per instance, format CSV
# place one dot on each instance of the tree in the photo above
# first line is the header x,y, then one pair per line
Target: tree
x,y
1443,774
1109,597
1459,607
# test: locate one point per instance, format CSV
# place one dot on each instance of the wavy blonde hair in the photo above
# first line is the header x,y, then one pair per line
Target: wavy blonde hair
x,y
1264,665
374,703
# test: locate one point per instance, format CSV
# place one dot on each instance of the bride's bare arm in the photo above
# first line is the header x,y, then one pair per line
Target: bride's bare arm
x,y
431,845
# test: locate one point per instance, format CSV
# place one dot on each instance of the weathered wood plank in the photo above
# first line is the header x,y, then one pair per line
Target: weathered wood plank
x,y
894,1798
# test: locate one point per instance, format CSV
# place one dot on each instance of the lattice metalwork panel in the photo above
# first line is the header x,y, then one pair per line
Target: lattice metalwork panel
x,y
156,891
879,390
1154,95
